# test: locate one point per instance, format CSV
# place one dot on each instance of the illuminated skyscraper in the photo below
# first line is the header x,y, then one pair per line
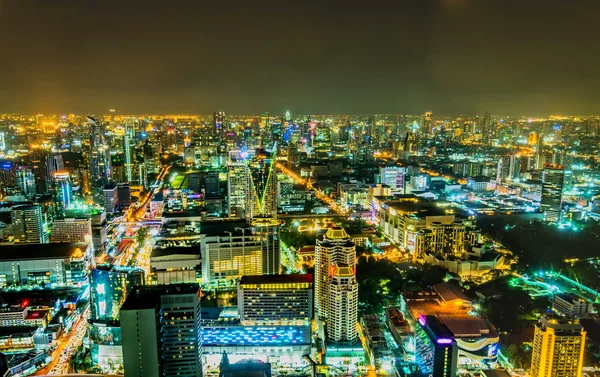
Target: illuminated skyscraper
x,y
540,159
100,166
53,164
558,348
553,179
128,150
219,124
61,193
262,198
436,349
2,141
25,180
238,183
336,289
109,287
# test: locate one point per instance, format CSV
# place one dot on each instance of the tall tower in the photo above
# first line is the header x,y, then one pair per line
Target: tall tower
x,y
54,163
336,289
99,155
262,198
219,124
539,153
238,183
553,179
61,193
128,150
558,347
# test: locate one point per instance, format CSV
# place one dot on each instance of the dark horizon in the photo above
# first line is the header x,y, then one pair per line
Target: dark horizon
x,y
534,58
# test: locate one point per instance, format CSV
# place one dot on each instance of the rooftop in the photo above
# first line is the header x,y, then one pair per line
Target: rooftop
x,y
448,292
22,251
276,279
175,250
148,297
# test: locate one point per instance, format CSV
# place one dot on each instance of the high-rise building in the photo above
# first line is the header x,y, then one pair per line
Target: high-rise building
x,y
99,155
219,124
509,168
128,150
238,183
53,164
71,230
231,249
262,198
553,179
558,347
111,198
109,287
62,194
540,159
275,298
436,349
160,326
27,224
336,289
25,180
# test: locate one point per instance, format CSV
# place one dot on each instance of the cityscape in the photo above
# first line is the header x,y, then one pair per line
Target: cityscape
x,y
375,204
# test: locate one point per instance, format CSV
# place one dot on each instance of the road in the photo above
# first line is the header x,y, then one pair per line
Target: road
x,y
68,344
135,214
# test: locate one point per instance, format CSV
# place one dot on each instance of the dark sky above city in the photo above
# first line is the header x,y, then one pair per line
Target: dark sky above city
x,y
521,57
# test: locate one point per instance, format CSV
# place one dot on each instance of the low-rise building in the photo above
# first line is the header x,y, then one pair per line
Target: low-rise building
x,y
571,306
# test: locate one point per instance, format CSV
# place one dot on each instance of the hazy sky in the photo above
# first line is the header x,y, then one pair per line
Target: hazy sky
x,y
525,57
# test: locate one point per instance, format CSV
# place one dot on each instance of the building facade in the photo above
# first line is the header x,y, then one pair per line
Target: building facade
x,y
275,298
71,230
558,348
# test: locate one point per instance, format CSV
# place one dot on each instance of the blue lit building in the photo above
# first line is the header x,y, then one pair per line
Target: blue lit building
x,y
436,348
109,287
61,193
221,332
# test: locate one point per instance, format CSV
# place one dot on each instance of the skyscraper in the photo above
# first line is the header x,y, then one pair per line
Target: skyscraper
x,y
558,347
553,178
160,326
262,198
27,224
238,183
128,150
53,164
219,124
539,153
336,289
436,348
99,155
61,193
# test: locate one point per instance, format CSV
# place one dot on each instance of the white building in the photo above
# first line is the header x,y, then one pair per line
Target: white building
x,y
393,176
71,230
571,306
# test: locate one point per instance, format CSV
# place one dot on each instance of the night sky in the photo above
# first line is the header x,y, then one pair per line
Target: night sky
x,y
522,57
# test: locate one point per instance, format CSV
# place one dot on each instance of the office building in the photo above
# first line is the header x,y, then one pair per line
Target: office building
x,y
229,250
124,194
238,184
71,230
111,198
27,224
392,176
558,347
336,289
52,164
62,194
219,126
436,350
100,165
540,159
275,298
553,179
160,328
571,306
64,263
25,181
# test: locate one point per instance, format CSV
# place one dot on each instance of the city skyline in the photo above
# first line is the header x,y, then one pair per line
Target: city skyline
x,y
450,57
